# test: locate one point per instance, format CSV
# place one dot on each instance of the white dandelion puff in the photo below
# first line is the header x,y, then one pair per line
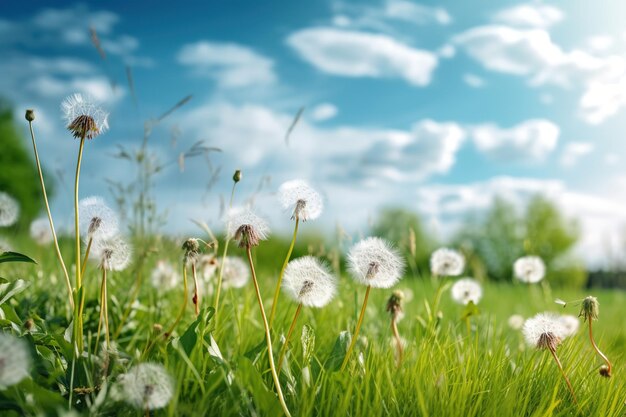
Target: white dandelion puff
x,y
15,360
206,265
571,324
544,331
40,231
446,262
309,282
516,321
373,262
114,253
147,386
97,220
301,200
9,210
529,269
465,290
5,246
245,227
83,117
235,273
164,276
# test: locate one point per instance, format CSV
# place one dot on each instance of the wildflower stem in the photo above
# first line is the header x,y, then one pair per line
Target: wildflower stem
x,y
78,321
196,291
597,349
54,234
437,300
396,336
268,337
84,264
282,272
283,351
103,311
220,272
183,307
569,384
357,329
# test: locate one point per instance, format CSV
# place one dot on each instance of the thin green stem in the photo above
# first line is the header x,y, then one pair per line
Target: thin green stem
x,y
102,310
220,271
597,349
54,233
78,322
105,299
356,330
84,263
282,272
283,351
268,336
569,384
396,335
196,289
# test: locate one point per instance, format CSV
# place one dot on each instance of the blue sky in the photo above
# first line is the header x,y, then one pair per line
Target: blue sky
x,y
434,106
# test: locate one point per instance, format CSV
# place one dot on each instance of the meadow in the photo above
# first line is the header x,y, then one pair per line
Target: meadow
x,y
173,329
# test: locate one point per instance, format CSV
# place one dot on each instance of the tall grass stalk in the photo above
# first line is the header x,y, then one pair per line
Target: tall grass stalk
x,y
282,271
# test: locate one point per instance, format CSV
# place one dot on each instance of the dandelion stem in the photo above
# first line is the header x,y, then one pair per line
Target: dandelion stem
x,y
196,291
268,337
84,264
283,351
558,362
396,336
357,329
183,307
102,309
54,234
282,272
78,321
597,349
220,272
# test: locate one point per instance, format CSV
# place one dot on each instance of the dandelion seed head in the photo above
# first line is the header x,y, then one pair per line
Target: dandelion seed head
x,y
529,269
245,227
571,324
40,231
83,118
9,210
235,273
301,200
590,309
164,276
191,247
544,331
96,219
114,253
465,290
207,265
147,386
15,360
446,262
394,305
309,282
516,321
373,262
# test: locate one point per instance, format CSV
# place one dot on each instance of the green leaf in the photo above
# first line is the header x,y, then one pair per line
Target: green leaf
x,y
308,343
15,257
339,351
189,339
10,289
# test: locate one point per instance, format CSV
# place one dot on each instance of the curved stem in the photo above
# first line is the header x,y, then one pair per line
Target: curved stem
x,y
357,329
78,321
597,349
54,233
218,290
268,336
396,335
283,351
282,272
569,384
196,290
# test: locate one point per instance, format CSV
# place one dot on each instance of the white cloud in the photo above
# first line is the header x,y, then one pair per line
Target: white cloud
x,y
361,54
574,151
531,140
600,43
530,15
324,111
232,65
533,54
474,80
417,13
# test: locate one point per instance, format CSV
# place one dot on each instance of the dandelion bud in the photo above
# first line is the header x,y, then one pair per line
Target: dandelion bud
x,y
30,115
590,308
237,176
605,371
394,305
245,227
29,324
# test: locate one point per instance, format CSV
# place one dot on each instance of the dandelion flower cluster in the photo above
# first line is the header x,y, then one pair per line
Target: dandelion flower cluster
x,y
301,200
83,117
147,386
235,273
309,282
15,360
571,324
544,331
9,210
446,262
529,269
97,220
246,228
465,290
164,276
114,254
373,262
40,231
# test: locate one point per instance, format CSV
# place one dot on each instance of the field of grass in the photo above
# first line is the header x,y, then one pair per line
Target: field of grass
x,y
220,367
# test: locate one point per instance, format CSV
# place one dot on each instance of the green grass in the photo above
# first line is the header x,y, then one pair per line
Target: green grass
x,y
223,371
